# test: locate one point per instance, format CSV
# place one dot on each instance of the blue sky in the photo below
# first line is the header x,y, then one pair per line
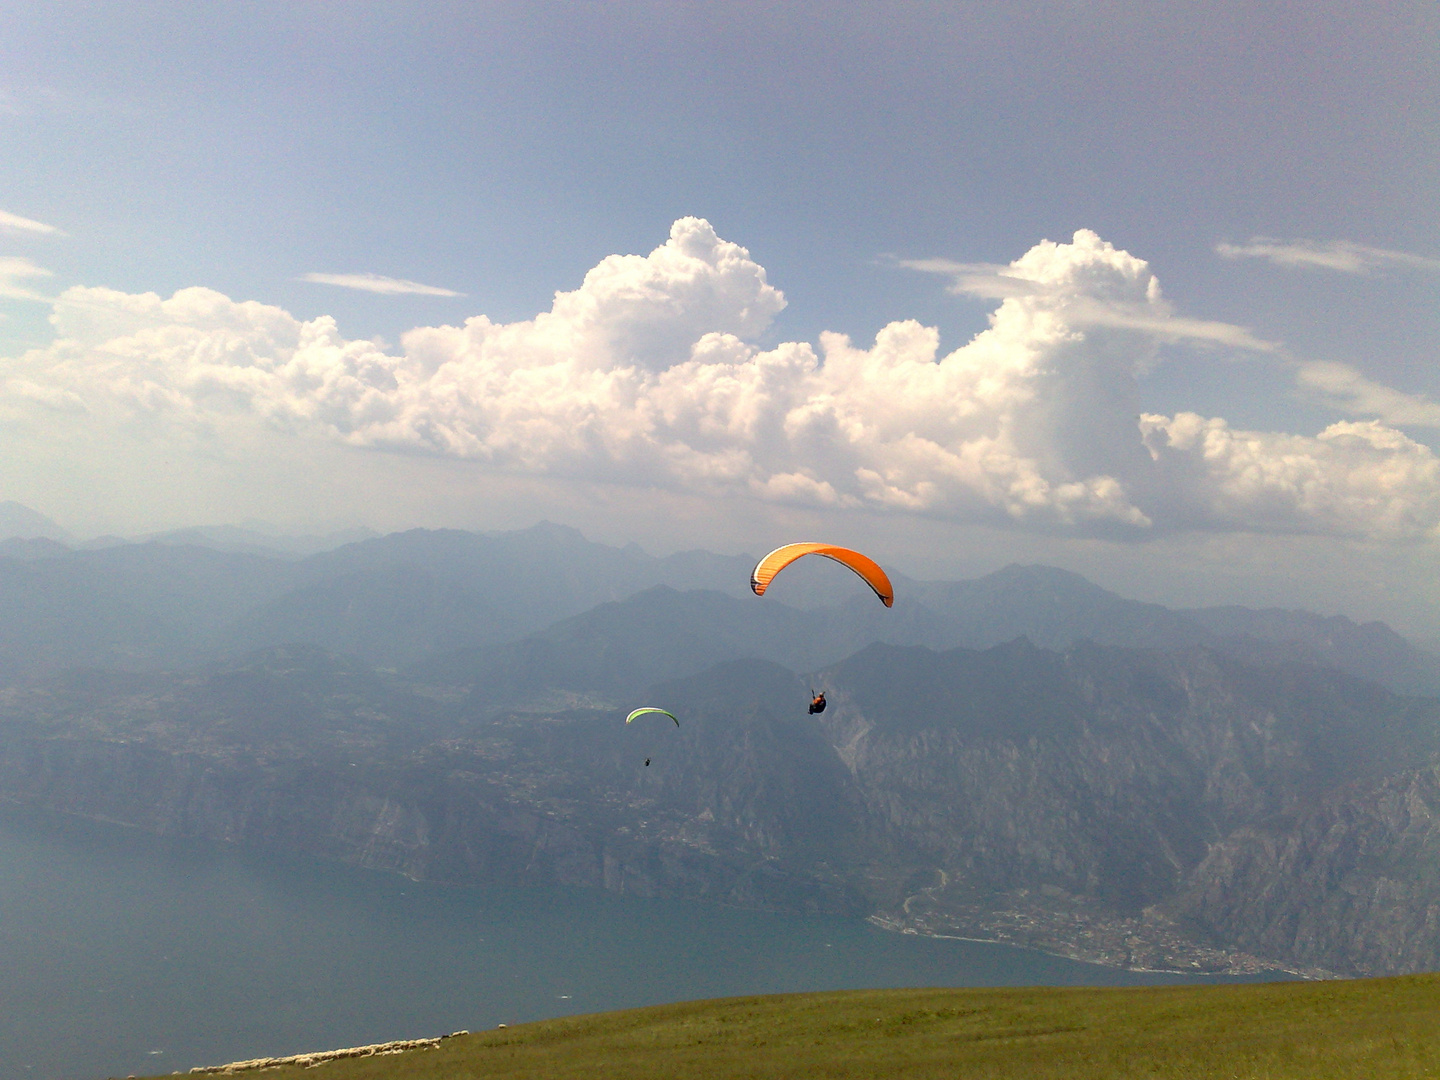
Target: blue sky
x,y
1273,165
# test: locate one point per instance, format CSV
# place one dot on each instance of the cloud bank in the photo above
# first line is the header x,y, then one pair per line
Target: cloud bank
x,y
1030,277
1342,387
14,224
1342,255
651,373
14,271
375,283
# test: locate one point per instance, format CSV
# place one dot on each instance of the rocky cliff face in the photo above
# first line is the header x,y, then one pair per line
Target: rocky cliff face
x,y
336,763
1065,799
1353,883
1128,806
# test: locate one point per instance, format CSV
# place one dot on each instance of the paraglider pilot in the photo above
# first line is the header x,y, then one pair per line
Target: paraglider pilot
x,y
817,703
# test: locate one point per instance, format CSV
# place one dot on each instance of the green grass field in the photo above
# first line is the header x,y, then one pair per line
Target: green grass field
x,y
1376,1028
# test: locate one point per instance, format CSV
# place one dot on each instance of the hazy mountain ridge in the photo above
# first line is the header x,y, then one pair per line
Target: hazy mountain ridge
x,y
1026,756
390,600
946,791
1055,608
401,599
137,606
623,646
1371,650
257,540
666,633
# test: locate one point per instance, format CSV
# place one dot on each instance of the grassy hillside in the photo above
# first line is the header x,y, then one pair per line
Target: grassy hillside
x,y
1363,1028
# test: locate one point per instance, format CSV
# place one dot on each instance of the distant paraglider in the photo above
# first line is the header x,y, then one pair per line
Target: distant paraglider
x,y
645,711
869,570
662,712
817,703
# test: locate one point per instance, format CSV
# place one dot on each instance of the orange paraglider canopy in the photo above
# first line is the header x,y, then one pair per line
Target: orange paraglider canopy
x,y
766,569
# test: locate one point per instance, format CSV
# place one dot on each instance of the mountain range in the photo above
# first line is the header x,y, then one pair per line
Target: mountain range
x,y
413,597
1026,756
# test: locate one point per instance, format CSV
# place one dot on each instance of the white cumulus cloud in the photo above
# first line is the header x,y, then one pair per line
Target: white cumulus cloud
x,y
375,283
1342,255
650,373
1354,478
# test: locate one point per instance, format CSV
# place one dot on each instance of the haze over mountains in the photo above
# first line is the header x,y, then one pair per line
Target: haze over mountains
x,y
1024,756
398,599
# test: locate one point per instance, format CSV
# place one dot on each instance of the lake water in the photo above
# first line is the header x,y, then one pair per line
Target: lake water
x,y
121,953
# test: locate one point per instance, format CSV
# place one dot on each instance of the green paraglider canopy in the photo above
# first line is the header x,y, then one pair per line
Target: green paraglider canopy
x,y
662,712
